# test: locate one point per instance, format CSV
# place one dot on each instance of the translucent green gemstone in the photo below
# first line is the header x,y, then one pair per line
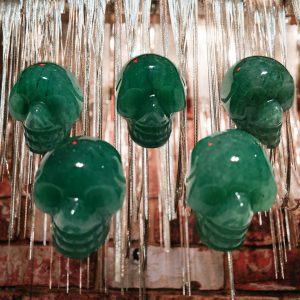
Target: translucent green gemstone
x,y
47,99
230,179
150,90
256,91
81,185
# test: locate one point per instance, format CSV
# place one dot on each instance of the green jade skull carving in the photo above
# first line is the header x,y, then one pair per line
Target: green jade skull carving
x,y
47,99
150,90
230,179
256,91
81,185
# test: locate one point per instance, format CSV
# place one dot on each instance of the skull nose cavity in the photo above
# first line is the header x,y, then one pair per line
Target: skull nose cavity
x,y
241,200
74,218
236,212
154,119
242,208
39,118
269,115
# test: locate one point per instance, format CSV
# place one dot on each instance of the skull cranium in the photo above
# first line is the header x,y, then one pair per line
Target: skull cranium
x,y
150,90
80,184
256,91
230,179
47,99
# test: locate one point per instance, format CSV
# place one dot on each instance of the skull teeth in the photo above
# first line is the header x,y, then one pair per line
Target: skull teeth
x,y
268,136
82,245
150,137
40,142
226,232
220,238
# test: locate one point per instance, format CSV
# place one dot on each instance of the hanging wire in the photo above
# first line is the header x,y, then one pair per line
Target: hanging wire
x,y
231,275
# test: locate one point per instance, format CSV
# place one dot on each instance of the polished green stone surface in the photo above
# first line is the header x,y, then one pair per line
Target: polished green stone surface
x,y
47,99
256,91
150,90
81,185
230,179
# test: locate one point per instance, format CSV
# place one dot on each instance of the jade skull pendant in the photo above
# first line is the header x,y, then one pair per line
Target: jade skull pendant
x,y
81,185
256,91
47,99
230,179
150,90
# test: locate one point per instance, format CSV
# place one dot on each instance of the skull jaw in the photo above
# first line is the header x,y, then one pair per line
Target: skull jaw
x,y
80,246
149,137
267,136
217,238
41,142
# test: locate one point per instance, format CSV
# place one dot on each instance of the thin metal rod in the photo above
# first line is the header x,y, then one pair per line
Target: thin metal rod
x,y
231,275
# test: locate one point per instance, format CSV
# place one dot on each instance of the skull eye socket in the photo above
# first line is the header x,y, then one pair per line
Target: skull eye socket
x,y
255,96
47,197
64,108
18,106
104,199
132,104
205,199
262,199
285,95
172,99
